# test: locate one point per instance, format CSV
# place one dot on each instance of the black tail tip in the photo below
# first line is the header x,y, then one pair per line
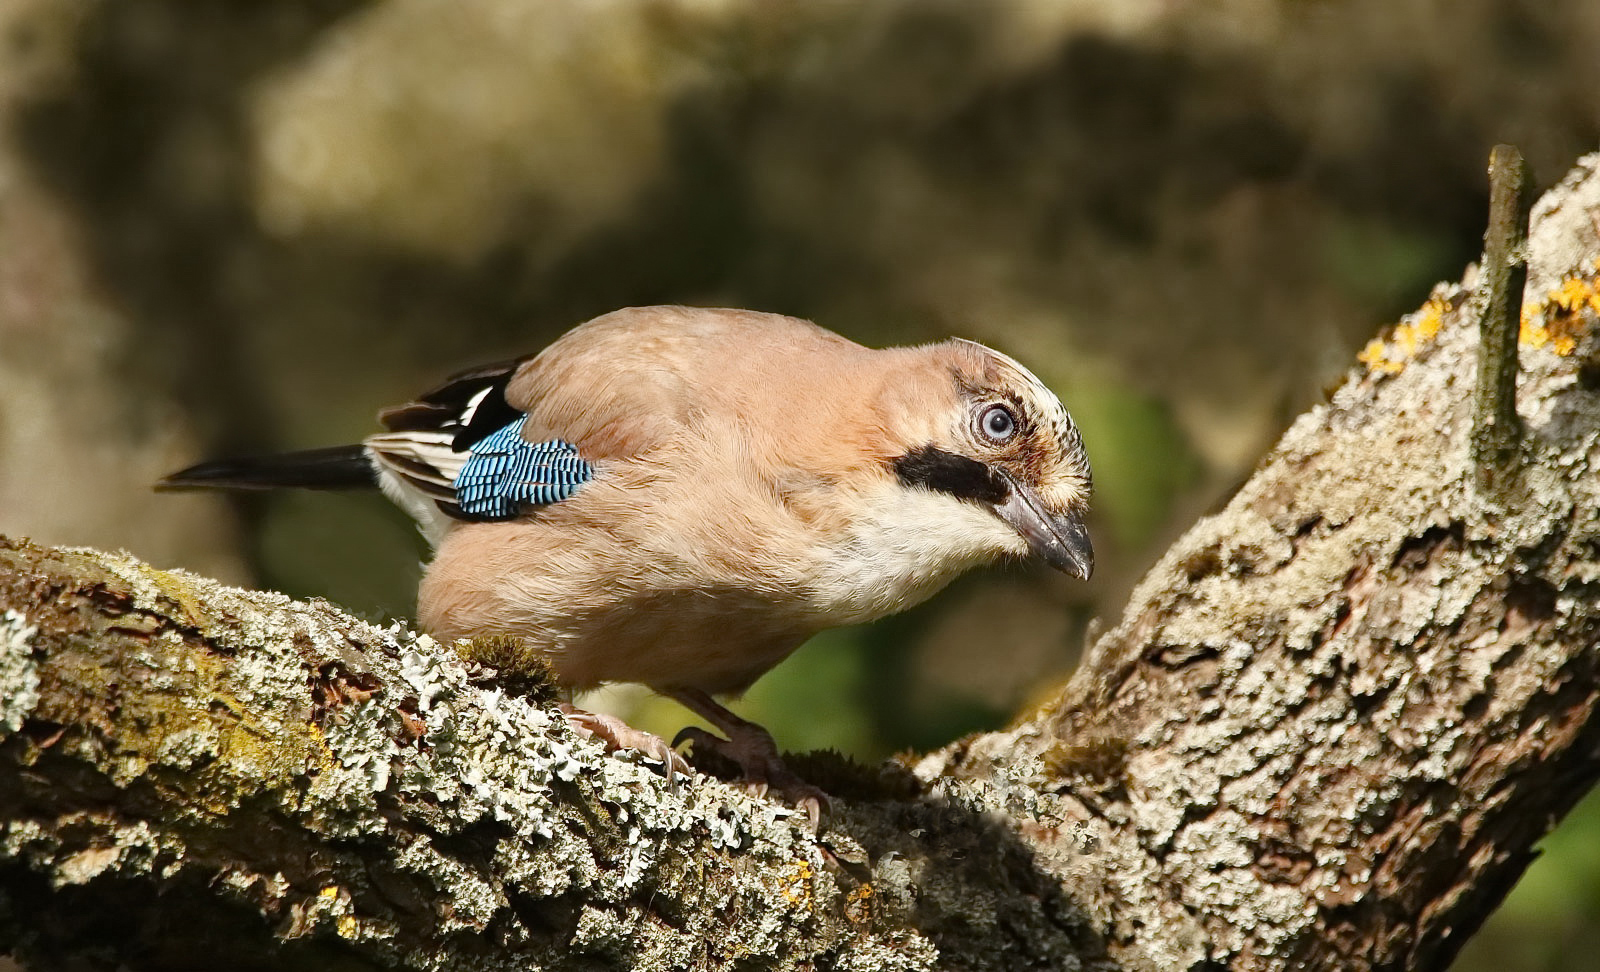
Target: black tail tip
x,y
225,474
339,467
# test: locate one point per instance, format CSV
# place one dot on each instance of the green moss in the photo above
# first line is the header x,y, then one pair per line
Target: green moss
x,y
848,779
1098,759
519,669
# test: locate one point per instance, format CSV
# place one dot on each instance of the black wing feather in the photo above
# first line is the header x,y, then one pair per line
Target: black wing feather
x,y
464,409
449,407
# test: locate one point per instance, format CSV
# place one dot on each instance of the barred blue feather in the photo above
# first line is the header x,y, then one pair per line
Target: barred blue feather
x,y
506,472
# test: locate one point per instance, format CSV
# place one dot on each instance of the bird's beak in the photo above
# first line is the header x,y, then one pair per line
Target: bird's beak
x,y
1060,538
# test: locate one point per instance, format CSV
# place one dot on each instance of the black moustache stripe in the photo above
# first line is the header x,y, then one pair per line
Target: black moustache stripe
x,y
946,472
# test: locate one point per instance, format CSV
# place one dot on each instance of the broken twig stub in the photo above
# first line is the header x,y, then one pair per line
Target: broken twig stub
x,y
1496,430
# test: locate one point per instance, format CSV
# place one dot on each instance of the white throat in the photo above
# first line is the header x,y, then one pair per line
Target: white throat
x,y
904,545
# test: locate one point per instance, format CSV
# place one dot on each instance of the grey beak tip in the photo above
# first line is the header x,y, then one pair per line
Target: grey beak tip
x,y
1076,559
1066,547
1075,549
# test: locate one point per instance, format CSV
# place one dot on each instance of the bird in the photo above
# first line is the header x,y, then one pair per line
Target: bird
x,y
680,497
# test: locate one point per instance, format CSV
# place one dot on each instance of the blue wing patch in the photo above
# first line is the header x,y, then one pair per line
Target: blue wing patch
x,y
506,471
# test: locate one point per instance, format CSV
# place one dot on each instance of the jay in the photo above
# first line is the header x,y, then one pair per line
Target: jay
x,y
680,497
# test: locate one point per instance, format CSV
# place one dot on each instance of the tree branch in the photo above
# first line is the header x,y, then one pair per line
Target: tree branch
x,y
1325,735
1342,710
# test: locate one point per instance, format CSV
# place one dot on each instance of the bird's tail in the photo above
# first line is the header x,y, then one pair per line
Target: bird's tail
x,y
336,467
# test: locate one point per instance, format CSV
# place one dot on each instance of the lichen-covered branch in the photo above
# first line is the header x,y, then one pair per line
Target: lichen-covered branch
x,y
190,770
1324,735
1335,717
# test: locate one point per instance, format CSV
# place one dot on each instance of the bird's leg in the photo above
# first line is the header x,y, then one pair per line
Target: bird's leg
x,y
751,748
615,734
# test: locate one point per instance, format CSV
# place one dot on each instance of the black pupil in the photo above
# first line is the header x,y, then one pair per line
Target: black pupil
x,y
998,423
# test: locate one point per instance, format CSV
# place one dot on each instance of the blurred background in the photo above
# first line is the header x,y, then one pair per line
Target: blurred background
x,y
237,227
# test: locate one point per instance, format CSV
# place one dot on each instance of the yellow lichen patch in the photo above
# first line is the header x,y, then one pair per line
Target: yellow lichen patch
x,y
1558,321
1373,357
858,904
1575,294
319,751
194,735
1536,335
252,755
795,884
176,590
347,926
1390,356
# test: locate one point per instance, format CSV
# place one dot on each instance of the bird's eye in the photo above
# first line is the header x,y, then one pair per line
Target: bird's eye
x,y
997,424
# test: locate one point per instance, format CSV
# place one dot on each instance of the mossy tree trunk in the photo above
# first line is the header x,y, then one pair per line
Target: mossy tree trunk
x,y
1325,735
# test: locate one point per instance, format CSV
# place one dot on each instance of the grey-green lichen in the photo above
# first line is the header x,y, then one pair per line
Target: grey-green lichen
x,y
384,749
19,671
134,848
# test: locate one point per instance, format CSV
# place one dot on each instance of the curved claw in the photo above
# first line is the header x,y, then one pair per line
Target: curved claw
x,y
615,734
756,788
764,773
813,806
694,735
808,799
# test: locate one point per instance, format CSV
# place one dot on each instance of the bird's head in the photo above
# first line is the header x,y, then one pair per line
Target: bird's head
x,y
990,435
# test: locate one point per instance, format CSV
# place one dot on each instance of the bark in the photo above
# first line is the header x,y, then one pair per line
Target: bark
x,y
1325,734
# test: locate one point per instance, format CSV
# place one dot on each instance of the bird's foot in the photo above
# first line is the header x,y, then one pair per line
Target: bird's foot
x,y
615,734
762,770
